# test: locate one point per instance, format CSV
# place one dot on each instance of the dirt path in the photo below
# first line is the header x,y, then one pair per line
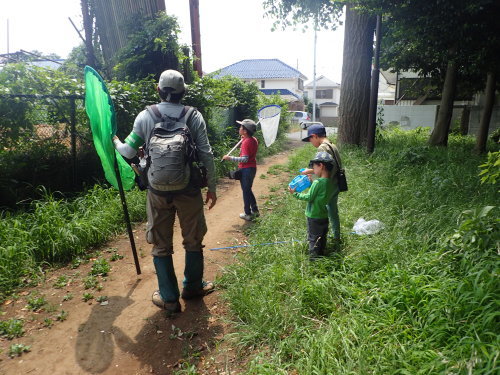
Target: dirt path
x,y
129,335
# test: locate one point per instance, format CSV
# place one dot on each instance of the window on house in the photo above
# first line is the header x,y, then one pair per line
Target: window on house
x,y
324,94
301,84
262,84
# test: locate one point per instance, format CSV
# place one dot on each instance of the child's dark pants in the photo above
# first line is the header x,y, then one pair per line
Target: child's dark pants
x,y
317,230
249,202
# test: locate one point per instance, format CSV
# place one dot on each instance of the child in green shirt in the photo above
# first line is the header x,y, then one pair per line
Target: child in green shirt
x,y
317,198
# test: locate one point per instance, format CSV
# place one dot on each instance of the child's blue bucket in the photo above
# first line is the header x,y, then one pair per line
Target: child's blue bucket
x,y
300,183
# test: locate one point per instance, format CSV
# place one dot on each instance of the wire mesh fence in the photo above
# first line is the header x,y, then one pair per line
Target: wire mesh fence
x,y
45,141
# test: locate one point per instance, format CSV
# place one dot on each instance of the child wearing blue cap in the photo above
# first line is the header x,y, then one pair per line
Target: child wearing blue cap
x,y
317,198
316,135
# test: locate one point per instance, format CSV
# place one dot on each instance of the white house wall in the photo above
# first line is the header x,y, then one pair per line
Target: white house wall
x,y
289,84
329,111
335,99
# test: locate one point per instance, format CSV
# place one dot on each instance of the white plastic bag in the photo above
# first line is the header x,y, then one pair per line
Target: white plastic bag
x,y
367,227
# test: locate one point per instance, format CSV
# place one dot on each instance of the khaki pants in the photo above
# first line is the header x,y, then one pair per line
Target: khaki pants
x,y
161,212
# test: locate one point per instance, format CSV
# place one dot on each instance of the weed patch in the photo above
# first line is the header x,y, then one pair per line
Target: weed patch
x,y
421,296
11,328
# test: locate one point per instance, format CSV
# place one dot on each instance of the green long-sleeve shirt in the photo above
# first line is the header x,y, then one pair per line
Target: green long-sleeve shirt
x,y
317,197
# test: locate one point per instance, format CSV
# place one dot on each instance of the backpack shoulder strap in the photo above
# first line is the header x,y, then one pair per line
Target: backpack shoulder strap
x,y
334,156
154,112
186,114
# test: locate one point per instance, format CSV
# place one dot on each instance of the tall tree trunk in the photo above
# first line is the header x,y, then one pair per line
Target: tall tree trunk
x,y
484,125
355,93
194,12
439,136
88,28
464,121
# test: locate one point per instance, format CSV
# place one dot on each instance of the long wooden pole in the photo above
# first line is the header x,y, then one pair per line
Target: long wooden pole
x,y
234,148
126,215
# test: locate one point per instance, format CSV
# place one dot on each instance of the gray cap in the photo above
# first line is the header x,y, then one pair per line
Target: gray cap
x,y
172,79
315,129
248,125
322,157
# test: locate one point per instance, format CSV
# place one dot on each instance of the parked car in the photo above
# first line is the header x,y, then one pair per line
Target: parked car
x,y
305,124
299,116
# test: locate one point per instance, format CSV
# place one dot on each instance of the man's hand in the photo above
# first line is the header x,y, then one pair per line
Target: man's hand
x,y
212,197
140,152
226,157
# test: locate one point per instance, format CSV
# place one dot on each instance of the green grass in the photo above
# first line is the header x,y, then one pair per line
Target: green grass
x,y
420,297
57,231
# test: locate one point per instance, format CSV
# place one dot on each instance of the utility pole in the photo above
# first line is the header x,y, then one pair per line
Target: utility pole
x,y
8,52
194,11
314,68
372,115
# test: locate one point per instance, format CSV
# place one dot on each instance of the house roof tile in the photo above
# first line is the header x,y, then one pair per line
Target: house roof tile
x,y
322,81
260,69
278,92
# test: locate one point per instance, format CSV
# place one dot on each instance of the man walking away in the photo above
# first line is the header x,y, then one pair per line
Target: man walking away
x,y
172,189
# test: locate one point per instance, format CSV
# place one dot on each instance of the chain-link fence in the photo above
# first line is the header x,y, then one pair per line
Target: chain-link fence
x,y
45,141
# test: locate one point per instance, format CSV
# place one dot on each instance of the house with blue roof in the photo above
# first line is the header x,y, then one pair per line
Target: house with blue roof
x,y
272,76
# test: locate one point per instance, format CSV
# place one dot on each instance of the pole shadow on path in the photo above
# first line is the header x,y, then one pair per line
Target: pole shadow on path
x,y
161,345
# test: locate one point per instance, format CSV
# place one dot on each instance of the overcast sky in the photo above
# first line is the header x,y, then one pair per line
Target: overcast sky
x,y
231,30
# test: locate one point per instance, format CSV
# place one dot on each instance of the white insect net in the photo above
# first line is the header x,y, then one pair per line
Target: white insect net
x,y
269,119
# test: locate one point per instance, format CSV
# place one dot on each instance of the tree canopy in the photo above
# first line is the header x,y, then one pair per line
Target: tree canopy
x,y
358,51
151,48
452,42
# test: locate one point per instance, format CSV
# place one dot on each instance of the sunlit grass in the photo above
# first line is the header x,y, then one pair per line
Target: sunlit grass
x,y
56,230
421,296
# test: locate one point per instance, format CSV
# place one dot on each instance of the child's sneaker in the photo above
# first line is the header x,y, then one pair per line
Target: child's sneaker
x,y
246,217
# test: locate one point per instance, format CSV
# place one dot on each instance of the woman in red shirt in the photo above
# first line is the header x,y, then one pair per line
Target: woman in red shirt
x,y
248,167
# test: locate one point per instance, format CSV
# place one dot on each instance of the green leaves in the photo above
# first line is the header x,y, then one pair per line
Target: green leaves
x,y
11,328
490,170
151,48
